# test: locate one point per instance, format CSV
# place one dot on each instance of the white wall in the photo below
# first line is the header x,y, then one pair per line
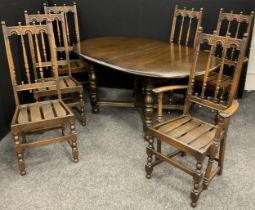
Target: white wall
x,y
250,78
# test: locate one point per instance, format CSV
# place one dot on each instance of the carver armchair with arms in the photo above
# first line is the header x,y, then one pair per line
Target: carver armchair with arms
x,y
190,135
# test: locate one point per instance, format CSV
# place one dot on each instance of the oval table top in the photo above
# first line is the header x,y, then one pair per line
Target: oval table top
x,y
142,56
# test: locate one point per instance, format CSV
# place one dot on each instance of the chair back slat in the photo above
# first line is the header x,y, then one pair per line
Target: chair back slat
x,y
43,47
67,30
59,33
188,32
207,69
25,60
187,19
219,48
39,59
180,32
220,74
28,40
72,11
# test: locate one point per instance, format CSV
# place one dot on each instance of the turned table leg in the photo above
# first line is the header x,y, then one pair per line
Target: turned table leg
x,y
93,89
148,106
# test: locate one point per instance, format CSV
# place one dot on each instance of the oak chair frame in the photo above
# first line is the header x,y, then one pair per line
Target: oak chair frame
x,y
77,65
210,143
37,117
68,85
191,14
230,18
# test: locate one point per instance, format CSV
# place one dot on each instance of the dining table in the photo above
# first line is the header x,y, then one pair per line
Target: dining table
x,y
148,58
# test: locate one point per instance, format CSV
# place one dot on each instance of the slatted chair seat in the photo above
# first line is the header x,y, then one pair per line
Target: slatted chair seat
x,y
77,66
37,112
67,84
225,85
187,130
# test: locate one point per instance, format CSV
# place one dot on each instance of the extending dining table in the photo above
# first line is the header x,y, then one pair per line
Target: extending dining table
x,y
139,56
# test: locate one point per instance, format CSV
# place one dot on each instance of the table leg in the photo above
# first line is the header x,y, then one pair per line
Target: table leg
x,y
93,89
148,106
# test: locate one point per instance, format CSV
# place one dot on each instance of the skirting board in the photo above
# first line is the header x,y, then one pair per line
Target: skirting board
x,y
250,81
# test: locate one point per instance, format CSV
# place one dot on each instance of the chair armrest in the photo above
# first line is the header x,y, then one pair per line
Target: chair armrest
x,y
230,111
160,92
169,88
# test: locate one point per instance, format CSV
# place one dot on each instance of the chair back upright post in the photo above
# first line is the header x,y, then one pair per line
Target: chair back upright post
x,y
58,21
192,15
220,48
40,38
67,9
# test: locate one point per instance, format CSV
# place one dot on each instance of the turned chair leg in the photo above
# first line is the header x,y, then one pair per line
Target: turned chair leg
x,y
148,166
213,151
75,152
20,155
158,147
197,184
222,155
82,109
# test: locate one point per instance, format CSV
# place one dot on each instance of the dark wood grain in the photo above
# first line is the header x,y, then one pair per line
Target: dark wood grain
x,y
142,56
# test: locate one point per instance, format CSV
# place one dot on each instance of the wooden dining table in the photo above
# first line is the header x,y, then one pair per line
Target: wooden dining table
x,y
151,59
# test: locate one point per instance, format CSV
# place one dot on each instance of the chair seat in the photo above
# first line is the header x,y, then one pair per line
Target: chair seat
x,y
186,131
77,66
40,111
65,83
212,81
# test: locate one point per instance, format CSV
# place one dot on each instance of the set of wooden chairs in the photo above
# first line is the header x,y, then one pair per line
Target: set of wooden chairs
x,y
214,90
47,48
42,63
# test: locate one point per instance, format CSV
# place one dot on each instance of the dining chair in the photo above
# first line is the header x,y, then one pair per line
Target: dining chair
x,y
71,90
185,25
36,117
78,66
194,135
234,25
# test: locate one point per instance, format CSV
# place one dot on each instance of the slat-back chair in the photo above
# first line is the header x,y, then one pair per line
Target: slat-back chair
x,y
190,21
39,116
69,86
189,134
234,25
78,65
